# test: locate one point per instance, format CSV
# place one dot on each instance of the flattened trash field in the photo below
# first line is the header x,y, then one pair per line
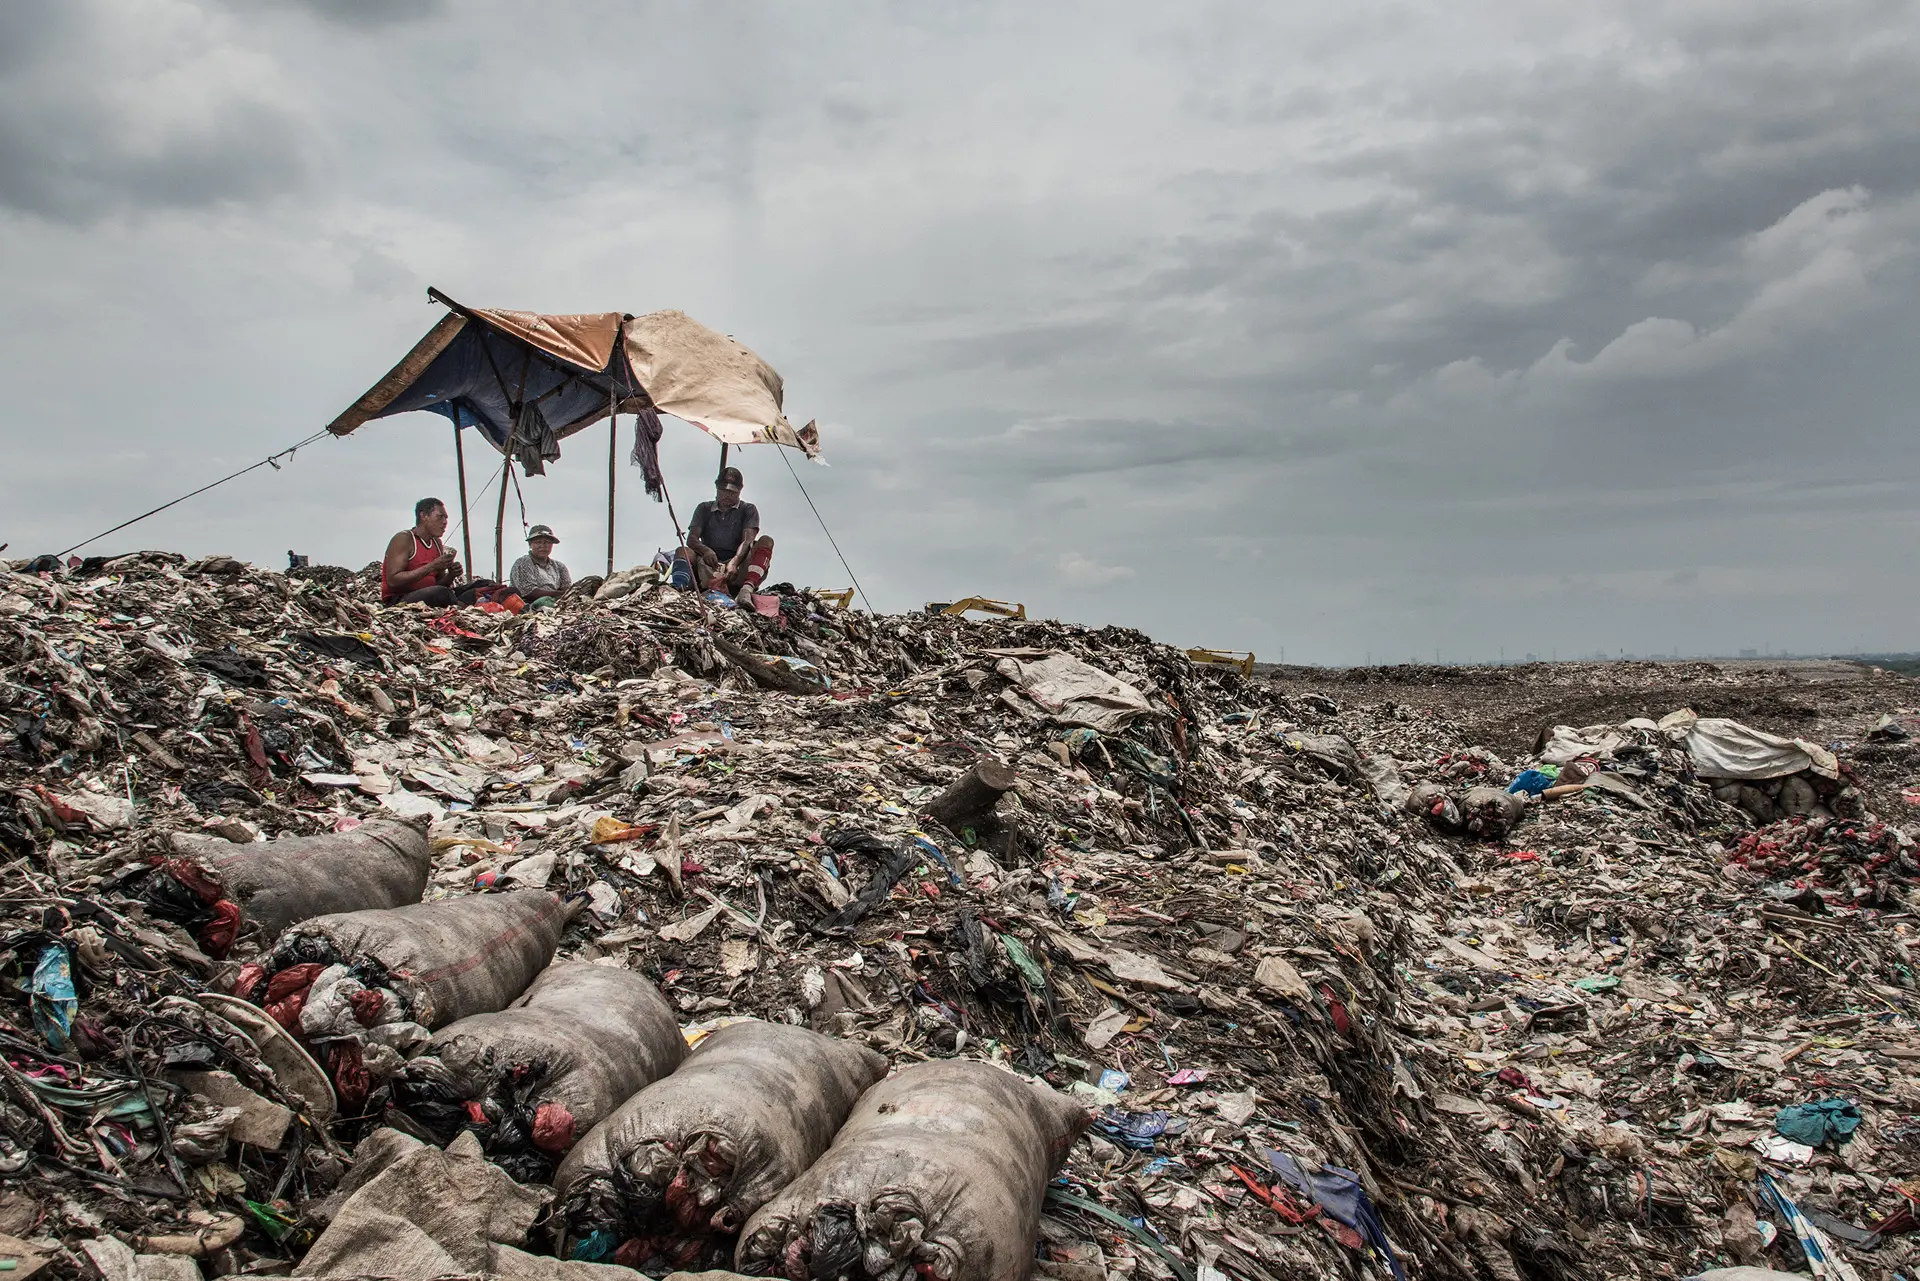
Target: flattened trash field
x,y
647,935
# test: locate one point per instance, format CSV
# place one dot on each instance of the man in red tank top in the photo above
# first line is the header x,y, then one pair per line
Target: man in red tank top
x,y
417,566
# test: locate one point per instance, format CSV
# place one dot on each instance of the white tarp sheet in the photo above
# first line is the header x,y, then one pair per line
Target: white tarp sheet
x,y
1723,748
1720,748
708,379
1070,692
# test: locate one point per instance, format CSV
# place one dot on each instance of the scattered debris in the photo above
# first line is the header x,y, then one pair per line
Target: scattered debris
x,y
1320,1027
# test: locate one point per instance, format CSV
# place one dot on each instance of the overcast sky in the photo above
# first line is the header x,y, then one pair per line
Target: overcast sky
x,y
1360,330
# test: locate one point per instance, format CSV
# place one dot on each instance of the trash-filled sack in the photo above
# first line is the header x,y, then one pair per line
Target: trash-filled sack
x,y
531,1079
366,988
940,1171
674,1173
214,887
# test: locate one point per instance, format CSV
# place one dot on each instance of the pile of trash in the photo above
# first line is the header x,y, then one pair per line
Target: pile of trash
x,y
1189,975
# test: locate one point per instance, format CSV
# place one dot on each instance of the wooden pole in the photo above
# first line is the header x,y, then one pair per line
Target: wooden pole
x,y
723,461
500,520
466,530
613,470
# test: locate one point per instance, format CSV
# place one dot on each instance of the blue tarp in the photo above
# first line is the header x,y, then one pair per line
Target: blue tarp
x,y
496,381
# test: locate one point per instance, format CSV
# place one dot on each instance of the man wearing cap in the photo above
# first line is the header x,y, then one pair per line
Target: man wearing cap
x,y
724,543
537,576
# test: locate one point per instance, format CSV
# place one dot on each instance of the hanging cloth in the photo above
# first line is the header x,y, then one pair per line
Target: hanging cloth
x,y
534,443
646,451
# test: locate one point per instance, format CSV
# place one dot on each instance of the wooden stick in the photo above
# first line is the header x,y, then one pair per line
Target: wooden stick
x,y
466,531
500,518
613,452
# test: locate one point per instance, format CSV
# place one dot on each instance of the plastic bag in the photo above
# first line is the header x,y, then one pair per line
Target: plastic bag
x,y
939,1171
672,1175
584,1039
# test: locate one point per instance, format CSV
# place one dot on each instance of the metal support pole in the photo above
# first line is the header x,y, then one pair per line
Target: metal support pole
x,y
723,461
466,531
613,454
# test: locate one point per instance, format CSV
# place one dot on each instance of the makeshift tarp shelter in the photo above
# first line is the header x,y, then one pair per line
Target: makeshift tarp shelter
x,y
527,381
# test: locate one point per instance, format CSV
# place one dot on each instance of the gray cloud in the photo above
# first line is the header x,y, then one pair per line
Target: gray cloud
x,y
103,112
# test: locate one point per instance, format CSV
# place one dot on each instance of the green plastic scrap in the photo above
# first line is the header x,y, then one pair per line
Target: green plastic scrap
x,y
1181,1268
1597,983
272,1222
1023,960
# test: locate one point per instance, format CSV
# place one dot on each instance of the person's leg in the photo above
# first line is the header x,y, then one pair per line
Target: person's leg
x,y
758,562
710,573
750,575
435,595
683,556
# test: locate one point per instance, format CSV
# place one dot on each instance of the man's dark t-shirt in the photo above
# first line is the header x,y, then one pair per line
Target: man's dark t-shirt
x,y
721,530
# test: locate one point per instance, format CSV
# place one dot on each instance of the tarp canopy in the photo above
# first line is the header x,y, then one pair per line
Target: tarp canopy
x,y
534,380
514,375
712,381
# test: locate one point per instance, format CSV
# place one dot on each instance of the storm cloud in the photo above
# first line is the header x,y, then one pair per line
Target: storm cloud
x,y
1368,333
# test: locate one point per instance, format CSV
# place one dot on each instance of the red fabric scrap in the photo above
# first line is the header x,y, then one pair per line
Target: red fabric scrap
x,y
216,936
552,1128
295,978
350,1076
1514,1077
202,880
287,1012
1341,1023
476,1113
248,979
367,1005
256,752
61,810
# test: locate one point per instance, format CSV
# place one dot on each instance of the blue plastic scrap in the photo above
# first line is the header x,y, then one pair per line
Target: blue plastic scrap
x,y
1820,1257
1535,781
54,1000
1340,1194
926,846
1136,1131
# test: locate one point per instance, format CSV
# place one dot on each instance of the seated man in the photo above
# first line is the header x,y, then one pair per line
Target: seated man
x,y
417,566
537,576
724,543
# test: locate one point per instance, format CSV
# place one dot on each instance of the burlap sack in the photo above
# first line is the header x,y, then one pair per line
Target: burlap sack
x,y
675,1171
942,1168
382,863
581,1041
454,958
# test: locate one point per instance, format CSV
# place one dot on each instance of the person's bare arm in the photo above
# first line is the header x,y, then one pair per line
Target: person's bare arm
x,y
401,580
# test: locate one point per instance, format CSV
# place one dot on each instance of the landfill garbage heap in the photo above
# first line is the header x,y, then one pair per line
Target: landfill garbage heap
x,y
1265,985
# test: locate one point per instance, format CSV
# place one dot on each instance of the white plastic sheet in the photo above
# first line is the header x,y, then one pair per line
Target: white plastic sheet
x,y
1723,748
1070,692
